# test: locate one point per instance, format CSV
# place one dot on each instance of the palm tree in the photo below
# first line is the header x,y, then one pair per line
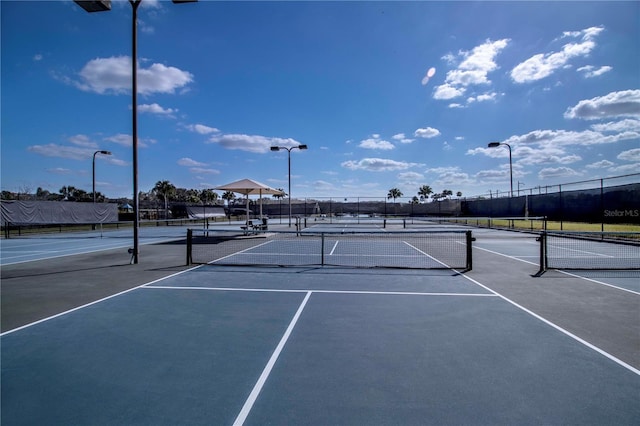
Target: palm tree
x,y
281,195
228,196
447,193
424,191
67,192
164,190
394,193
459,194
208,195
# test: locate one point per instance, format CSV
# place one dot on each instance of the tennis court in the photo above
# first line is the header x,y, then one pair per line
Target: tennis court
x,y
28,248
315,344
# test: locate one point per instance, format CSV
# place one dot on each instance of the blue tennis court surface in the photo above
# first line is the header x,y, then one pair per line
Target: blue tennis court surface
x,y
48,246
235,345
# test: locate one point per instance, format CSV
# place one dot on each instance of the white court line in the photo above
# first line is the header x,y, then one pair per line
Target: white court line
x,y
507,256
560,329
276,290
246,408
429,256
240,252
83,250
559,270
334,248
565,248
598,282
95,302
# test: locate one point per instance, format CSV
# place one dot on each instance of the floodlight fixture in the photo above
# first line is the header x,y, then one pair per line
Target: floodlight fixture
x,y
288,149
95,5
105,5
497,144
94,170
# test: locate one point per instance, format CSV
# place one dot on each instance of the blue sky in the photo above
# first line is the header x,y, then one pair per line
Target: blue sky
x,y
221,82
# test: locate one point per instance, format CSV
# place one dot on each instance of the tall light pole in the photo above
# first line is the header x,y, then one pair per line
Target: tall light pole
x,y
497,144
94,170
278,148
102,6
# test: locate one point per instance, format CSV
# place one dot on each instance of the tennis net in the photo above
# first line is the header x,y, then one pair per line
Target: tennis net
x,y
370,249
589,250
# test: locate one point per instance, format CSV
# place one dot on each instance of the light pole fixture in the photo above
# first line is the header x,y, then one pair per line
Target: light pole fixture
x,y
102,6
278,148
497,144
94,170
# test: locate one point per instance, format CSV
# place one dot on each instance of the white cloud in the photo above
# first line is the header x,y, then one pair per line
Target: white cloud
x,y
251,143
557,172
550,146
323,186
376,143
428,132
625,103
482,56
120,139
83,140
630,155
600,165
188,162
117,162
628,125
540,156
472,70
400,137
125,140
483,98
204,171
410,177
37,57
452,177
59,171
565,137
543,65
447,91
466,77
62,151
590,71
113,76
625,169
156,109
377,165
201,129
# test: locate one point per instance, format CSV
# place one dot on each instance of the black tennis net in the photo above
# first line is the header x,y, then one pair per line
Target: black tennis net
x,y
589,250
370,249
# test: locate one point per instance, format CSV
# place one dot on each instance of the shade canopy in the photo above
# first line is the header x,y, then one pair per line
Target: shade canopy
x,y
250,187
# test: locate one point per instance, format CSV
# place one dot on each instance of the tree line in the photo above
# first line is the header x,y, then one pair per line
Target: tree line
x,y
423,194
165,192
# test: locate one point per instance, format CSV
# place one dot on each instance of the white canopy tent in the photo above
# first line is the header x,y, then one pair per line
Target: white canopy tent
x,y
248,187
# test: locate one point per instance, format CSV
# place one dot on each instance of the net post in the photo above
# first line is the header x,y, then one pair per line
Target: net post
x,y
322,249
384,223
189,246
469,262
543,253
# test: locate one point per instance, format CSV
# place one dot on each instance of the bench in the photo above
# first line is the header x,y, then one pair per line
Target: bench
x,y
253,228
